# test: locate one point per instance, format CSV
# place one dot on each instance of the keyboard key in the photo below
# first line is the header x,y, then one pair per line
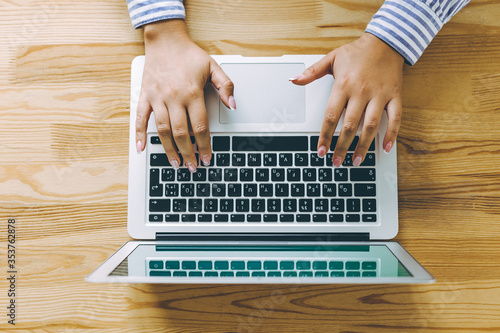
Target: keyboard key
x,y
352,218
281,190
290,205
237,218
214,174
301,159
369,205
325,175
234,190
218,189
238,160
246,175
319,265
200,175
210,205
305,274
160,273
172,217
316,160
303,265
183,175
156,264
340,174
237,265
270,217
277,174
242,274
336,205
258,205
221,217
369,274
188,264
353,205
250,190
254,265
369,265
353,274
274,274
154,176
293,174
287,265
313,190
155,218
297,190
321,205
220,143
230,174
334,142
195,205
372,146
286,159
363,174
188,217
204,217
329,190
262,175
211,274
270,159
286,217
254,217
328,158
290,274
187,190
336,265
156,190
171,264
203,190
258,274
222,159
159,205
270,265
336,218
159,160
347,160
179,205
354,143
369,218
273,205
271,143
254,159
195,274
226,274
364,190
167,175
337,274
242,205
303,218
319,218
309,174
345,190
221,265
305,205
314,142
155,140
204,265
226,205
369,160
321,274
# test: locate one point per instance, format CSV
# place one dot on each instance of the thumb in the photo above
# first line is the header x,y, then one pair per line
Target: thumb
x,y
316,71
222,82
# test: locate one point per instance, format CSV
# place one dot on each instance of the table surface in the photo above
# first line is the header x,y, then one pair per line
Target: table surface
x,y
64,76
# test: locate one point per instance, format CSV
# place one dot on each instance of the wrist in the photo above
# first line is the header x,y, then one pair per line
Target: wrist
x,y
382,48
169,30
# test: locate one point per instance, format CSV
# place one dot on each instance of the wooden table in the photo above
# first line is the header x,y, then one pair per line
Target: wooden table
x,y
64,76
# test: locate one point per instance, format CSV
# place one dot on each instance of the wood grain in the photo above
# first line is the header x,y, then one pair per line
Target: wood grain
x,y
64,98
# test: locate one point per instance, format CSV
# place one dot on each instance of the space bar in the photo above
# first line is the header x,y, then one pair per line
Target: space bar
x,y
270,143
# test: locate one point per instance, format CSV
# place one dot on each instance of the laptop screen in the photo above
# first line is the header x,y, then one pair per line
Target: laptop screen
x,y
268,262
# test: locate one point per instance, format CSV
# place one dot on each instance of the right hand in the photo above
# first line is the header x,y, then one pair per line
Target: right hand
x,y
175,72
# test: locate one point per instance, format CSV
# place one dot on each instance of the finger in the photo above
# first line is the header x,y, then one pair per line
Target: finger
x,y
180,133
334,109
394,114
165,133
353,114
199,124
141,123
315,71
222,82
373,114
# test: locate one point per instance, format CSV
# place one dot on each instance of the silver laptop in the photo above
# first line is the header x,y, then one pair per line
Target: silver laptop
x,y
267,209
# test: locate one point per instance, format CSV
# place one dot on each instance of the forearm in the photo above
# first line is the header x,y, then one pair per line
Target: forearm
x,y
143,12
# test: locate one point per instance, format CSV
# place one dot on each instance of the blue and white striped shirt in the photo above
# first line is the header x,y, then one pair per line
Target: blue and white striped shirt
x,y
408,26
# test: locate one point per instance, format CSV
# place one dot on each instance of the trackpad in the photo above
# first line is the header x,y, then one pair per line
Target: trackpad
x,y
263,94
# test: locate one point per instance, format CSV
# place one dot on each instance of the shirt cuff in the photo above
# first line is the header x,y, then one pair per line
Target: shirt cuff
x,y
408,26
147,11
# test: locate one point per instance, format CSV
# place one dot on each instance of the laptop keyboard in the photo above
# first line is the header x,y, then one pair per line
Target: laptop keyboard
x,y
263,179
261,268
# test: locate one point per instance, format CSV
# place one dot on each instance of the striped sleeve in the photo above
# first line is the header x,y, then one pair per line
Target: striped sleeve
x,y
146,11
409,26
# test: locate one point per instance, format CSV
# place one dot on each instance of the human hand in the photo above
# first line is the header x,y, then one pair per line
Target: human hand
x,y
368,78
175,72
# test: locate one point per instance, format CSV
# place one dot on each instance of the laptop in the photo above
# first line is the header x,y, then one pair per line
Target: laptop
x,y
267,209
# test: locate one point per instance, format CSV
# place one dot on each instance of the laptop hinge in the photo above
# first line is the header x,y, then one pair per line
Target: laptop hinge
x,y
285,237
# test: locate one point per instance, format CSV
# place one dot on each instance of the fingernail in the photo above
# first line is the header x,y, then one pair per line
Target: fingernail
x,y
357,161
296,77
232,103
174,164
322,151
206,160
388,147
191,167
337,162
139,147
